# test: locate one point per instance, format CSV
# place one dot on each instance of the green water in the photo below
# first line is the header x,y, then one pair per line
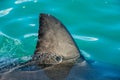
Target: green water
x,y
94,24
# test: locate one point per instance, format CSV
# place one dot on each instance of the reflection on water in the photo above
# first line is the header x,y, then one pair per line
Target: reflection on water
x,y
85,38
5,12
21,1
31,34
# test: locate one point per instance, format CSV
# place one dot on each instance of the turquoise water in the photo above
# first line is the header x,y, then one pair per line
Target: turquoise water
x,y
94,24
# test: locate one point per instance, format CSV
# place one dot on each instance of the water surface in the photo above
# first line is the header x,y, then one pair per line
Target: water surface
x,y
94,24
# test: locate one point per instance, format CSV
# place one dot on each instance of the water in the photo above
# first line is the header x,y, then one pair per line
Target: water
x,y
94,24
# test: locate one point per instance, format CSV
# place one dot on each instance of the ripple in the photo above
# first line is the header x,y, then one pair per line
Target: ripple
x,y
17,42
5,12
85,38
32,25
31,34
87,55
21,1
9,49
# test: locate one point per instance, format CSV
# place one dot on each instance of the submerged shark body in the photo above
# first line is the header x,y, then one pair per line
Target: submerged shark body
x,y
57,58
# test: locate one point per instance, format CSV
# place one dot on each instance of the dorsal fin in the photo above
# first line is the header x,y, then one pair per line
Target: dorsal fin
x,y
54,39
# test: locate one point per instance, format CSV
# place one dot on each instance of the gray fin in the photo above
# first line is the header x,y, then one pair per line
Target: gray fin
x,y
54,39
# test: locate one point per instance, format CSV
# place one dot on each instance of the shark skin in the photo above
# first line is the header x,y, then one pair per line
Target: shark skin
x,y
57,57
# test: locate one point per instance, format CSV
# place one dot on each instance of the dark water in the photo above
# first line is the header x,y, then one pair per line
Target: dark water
x,y
94,24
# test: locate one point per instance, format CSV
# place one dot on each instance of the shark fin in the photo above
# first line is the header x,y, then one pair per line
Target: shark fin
x,y
54,41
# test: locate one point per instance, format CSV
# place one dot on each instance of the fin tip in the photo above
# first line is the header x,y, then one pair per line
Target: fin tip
x,y
44,14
